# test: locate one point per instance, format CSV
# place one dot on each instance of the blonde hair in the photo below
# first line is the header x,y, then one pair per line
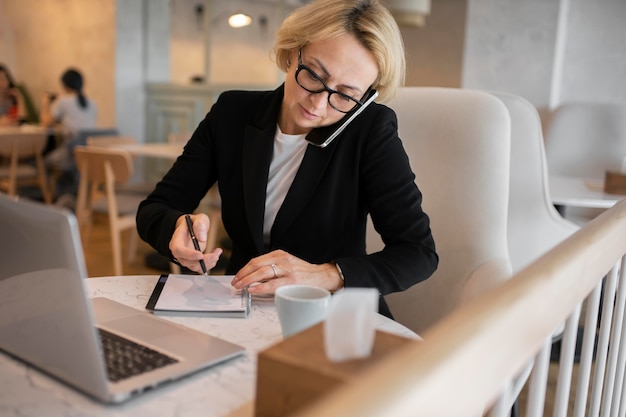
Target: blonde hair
x,y
369,21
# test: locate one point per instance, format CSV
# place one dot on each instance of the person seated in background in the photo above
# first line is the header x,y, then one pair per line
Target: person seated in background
x,y
71,109
72,112
296,212
12,110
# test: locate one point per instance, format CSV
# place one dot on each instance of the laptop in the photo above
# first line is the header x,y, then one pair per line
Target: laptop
x,y
48,321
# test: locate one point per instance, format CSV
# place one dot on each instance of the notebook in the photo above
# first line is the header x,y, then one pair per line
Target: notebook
x,y
198,295
48,321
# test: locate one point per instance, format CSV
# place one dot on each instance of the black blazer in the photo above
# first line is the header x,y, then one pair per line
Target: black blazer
x,y
323,217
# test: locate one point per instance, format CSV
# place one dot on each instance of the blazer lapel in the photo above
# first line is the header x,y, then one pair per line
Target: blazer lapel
x,y
256,158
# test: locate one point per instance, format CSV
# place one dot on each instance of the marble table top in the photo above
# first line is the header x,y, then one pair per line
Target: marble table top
x,y
217,391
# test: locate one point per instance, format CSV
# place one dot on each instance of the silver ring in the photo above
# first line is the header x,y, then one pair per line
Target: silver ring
x,y
273,266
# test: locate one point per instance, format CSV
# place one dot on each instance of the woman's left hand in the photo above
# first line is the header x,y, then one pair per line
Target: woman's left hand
x,y
267,272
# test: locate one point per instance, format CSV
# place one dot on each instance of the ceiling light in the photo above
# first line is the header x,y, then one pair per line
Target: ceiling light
x,y
239,20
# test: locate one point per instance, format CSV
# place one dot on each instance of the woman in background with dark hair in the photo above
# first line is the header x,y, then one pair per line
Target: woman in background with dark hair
x,y
71,109
72,112
11,103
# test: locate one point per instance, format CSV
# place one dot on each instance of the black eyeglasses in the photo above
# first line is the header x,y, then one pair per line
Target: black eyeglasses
x,y
313,83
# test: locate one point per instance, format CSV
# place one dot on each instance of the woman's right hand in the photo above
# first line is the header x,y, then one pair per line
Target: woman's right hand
x,y
182,247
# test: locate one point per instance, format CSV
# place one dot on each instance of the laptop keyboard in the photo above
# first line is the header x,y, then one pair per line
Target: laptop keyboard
x,y
125,358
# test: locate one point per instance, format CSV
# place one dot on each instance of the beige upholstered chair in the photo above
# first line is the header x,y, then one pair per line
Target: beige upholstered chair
x,y
586,139
534,225
101,170
21,161
458,142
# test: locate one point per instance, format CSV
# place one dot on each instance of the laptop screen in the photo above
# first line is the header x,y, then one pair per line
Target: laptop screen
x,y
45,317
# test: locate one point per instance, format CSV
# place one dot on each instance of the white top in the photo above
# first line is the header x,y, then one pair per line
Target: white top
x,y
67,111
286,159
214,392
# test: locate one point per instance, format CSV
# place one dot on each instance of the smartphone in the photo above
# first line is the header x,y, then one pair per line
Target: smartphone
x,y
323,136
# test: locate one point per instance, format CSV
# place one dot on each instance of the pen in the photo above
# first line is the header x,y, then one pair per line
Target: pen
x,y
195,241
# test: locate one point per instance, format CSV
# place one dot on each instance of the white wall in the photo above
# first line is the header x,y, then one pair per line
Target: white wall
x,y
237,55
595,53
510,46
142,55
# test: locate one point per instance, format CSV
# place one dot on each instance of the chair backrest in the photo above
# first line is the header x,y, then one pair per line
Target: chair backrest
x,y
458,143
92,164
80,137
534,225
586,139
22,143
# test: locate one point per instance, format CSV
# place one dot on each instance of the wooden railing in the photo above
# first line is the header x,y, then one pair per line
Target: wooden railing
x,y
466,361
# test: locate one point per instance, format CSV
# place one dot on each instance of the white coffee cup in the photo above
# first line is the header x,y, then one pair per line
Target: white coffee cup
x,y
300,307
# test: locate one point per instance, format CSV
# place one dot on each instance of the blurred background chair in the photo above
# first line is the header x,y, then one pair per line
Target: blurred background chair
x,y
534,226
584,140
101,170
62,166
135,185
22,162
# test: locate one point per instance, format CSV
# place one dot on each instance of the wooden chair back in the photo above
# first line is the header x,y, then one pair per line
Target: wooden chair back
x,y
101,170
94,163
16,146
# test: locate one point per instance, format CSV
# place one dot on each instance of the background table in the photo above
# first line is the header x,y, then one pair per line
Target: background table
x,y
581,192
169,151
580,199
216,391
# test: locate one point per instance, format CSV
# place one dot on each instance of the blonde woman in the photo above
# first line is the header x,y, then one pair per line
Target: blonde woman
x,y
296,211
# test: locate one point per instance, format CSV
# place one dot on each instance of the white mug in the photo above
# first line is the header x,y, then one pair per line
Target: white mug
x,y
300,307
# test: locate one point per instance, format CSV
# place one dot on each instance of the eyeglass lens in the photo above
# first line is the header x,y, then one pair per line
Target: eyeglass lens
x,y
312,83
